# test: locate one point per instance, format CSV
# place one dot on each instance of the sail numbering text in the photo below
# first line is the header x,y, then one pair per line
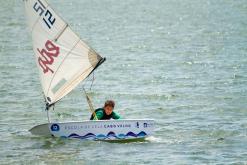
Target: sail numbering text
x,y
48,18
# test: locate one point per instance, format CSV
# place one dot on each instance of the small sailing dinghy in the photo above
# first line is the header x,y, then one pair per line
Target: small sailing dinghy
x,y
64,60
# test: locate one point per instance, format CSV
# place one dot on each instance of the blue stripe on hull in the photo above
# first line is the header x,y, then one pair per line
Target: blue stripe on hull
x,y
110,135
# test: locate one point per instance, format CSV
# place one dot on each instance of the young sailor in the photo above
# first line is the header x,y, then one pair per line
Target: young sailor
x,y
106,113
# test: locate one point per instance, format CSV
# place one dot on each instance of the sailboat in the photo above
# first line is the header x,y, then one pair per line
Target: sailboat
x,y
63,61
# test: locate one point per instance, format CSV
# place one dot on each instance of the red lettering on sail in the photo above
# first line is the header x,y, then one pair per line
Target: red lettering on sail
x,y
47,56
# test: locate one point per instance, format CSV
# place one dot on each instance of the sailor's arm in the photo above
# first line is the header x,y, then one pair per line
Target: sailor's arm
x,y
99,115
116,115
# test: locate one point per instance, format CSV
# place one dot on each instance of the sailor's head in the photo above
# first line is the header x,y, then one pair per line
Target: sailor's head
x,y
109,106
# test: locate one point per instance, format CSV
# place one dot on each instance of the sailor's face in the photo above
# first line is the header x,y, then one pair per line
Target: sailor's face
x,y
108,110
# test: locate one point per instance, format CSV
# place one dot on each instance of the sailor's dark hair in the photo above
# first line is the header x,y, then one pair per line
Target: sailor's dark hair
x,y
110,103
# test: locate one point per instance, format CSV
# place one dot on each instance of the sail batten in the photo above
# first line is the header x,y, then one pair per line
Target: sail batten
x,y
63,59
57,37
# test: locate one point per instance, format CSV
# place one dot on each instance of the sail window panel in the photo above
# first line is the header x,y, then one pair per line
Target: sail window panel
x,y
58,85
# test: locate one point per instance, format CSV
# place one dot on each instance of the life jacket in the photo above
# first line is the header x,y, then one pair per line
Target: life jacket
x,y
105,116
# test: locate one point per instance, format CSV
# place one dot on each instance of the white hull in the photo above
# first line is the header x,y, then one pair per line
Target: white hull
x,y
99,130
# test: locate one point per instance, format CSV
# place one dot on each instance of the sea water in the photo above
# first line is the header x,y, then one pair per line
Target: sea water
x,y
182,63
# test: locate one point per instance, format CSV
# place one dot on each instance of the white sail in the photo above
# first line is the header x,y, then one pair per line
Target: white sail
x,y
63,59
